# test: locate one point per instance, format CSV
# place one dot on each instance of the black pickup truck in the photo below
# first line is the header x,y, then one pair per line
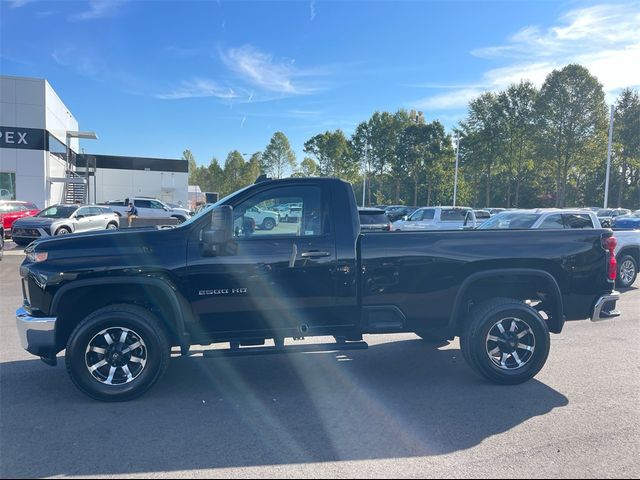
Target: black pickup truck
x,y
119,301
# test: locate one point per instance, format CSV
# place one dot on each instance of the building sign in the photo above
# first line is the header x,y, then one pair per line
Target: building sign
x,y
25,138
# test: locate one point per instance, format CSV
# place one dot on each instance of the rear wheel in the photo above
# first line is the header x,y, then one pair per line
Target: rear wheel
x,y
117,353
112,226
627,271
505,341
63,231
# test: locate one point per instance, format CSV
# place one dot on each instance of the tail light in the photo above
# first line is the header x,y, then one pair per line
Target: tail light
x,y
388,227
610,244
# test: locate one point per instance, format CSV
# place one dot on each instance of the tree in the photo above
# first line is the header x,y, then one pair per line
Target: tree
x,y
626,136
518,115
278,157
571,111
252,169
308,168
234,168
333,153
188,156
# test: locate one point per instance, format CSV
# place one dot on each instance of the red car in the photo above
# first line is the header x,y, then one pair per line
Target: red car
x,y
11,210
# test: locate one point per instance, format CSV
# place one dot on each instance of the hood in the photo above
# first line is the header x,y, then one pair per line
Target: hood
x,y
35,222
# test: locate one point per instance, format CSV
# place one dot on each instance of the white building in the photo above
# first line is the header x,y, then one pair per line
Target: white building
x,y
34,133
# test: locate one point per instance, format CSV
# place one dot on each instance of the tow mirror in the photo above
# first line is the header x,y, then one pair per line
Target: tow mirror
x,y
219,235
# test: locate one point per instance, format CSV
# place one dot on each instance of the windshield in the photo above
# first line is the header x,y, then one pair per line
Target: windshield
x,y
206,211
57,211
510,221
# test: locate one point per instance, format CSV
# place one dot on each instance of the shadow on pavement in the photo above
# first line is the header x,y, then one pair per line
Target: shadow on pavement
x,y
399,399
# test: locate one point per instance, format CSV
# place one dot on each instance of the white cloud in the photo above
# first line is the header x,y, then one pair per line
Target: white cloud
x,y
199,88
19,3
603,38
312,10
97,9
262,70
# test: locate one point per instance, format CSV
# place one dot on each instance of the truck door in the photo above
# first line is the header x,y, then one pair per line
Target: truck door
x,y
279,279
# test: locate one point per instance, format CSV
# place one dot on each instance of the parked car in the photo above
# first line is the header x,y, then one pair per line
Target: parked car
x,y
482,216
63,220
149,207
606,215
627,222
437,218
550,218
373,220
263,219
116,303
495,211
397,212
627,254
12,210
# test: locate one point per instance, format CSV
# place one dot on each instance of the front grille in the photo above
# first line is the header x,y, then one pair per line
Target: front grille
x,y
26,232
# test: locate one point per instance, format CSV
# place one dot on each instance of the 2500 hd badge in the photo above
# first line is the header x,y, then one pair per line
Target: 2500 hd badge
x,y
223,291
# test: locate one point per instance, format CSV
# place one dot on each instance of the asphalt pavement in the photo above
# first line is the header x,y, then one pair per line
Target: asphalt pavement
x,y
402,409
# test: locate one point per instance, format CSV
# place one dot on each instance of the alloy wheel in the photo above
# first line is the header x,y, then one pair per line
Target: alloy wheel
x,y
510,343
116,356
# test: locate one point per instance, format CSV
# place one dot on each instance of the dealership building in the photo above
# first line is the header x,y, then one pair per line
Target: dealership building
x,y
40,159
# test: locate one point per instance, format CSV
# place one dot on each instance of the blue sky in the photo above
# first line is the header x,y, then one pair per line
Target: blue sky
x,y
155,77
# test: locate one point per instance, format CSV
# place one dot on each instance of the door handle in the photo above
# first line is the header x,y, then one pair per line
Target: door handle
x,y
315,254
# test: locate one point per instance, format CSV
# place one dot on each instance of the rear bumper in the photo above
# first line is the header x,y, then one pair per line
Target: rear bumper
x,y
37,334
605,307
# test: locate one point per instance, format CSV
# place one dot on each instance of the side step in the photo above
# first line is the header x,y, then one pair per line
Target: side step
x,y
318,347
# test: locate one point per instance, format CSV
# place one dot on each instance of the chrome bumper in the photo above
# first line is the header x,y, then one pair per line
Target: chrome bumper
x,y
37,334
599,314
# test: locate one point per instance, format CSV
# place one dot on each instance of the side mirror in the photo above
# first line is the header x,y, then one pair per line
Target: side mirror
x,y
405,217
79,217
216,238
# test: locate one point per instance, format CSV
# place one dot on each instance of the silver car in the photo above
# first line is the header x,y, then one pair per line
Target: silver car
x,y
63,220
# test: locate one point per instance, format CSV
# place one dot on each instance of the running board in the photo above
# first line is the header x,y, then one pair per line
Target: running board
x,y
318,347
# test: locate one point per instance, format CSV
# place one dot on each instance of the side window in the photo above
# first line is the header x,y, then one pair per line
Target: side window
x,y
85,212
142,203
259,216
158,205
577,220
417,216
552,221
428,214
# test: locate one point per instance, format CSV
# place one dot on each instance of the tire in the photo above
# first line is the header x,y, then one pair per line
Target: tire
x,y
481,352
112,226
151,357
627,271
268,223
63,231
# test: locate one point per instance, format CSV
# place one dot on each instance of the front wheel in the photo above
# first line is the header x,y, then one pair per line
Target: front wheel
x,y
505,341
627,271
63,231
112,226
117,353
268,224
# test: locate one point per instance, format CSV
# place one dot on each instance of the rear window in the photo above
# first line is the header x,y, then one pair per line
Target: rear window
x,y
510,221
453,215
577,220
373,218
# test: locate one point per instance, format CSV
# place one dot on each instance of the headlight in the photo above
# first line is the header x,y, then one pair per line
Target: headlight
x,y
37,257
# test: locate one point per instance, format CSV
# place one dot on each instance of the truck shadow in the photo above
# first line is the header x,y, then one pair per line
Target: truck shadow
x,y
399,399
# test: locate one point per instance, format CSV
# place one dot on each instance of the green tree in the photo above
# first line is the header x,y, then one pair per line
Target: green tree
x,y
308,168
333,153
278,157
518,122
571,111
626,134
233,173
252,169
193,167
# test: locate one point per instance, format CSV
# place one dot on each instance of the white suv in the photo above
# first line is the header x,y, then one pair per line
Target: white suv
x,y
437,218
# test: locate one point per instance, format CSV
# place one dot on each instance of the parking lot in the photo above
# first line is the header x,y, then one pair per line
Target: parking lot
x,y
401,409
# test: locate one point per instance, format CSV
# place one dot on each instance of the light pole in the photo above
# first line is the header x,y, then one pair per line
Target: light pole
x,y
455,176
606,182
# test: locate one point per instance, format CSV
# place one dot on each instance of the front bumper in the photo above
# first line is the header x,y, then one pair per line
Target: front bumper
x,y
605,307
37,334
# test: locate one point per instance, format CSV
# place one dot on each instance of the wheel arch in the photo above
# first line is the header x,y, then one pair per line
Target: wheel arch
x,y
509,282
632,250
75,301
